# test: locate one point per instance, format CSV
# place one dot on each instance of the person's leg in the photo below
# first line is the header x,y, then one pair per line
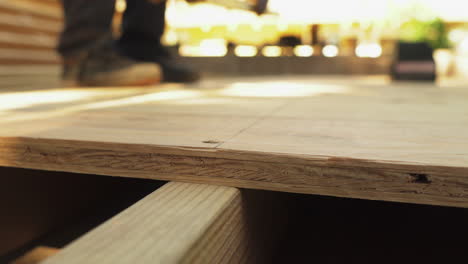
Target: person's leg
x,y
142,27
87,48
85,23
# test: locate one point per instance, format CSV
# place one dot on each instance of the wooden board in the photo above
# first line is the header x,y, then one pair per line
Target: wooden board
x,y
36,255
347,137
25,70
26,23
21,56
178,223
46,9
26,41
28,32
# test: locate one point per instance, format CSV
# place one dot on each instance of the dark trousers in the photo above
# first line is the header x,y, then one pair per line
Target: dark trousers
x,y
89,21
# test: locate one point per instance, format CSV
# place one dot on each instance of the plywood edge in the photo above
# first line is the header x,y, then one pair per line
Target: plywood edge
x,y
171,225
364,179
211,152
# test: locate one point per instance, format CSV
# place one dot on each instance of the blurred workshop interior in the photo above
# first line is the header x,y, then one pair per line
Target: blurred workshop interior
x,y
235,38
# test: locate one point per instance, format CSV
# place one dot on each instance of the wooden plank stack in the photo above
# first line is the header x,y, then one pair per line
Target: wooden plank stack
x,y
28,31
28,36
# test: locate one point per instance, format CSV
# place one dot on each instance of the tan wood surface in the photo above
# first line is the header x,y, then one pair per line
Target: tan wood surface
x,y
26,41
29,77
36,255
21,56
347,137
46,9
178,223
26,23
22,70
28,32
36,203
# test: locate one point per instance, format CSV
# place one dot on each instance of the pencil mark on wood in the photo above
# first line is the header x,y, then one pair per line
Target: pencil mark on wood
x,y
211,142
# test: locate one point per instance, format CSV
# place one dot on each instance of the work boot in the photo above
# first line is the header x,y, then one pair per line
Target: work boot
x,y
104,66
175,72
171,70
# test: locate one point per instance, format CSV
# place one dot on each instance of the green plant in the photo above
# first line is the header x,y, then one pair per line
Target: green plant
x,y
433,32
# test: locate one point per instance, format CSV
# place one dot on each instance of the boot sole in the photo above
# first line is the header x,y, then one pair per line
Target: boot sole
x,y
144,82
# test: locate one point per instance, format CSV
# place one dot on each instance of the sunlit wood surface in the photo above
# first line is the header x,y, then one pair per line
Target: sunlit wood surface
x,y
349,137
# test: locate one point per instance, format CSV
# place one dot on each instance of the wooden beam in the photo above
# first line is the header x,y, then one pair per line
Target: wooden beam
x,y
36,255
47,200
178,223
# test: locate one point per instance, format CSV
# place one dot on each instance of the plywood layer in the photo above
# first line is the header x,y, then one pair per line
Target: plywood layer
x,y
348,137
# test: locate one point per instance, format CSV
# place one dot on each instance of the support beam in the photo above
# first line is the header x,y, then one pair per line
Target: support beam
x,y
178,223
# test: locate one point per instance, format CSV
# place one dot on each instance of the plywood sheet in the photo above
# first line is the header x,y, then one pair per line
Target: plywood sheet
x,y
348,137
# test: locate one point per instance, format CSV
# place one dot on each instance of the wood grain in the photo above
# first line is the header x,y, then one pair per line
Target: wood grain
x,y
29,56
45,9
27,77
178,223
27,41
347,137
35,203
25,23
28,34
36,255
25,70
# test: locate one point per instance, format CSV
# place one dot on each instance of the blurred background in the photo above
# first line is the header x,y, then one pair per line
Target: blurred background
x,y
321,37
237,38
